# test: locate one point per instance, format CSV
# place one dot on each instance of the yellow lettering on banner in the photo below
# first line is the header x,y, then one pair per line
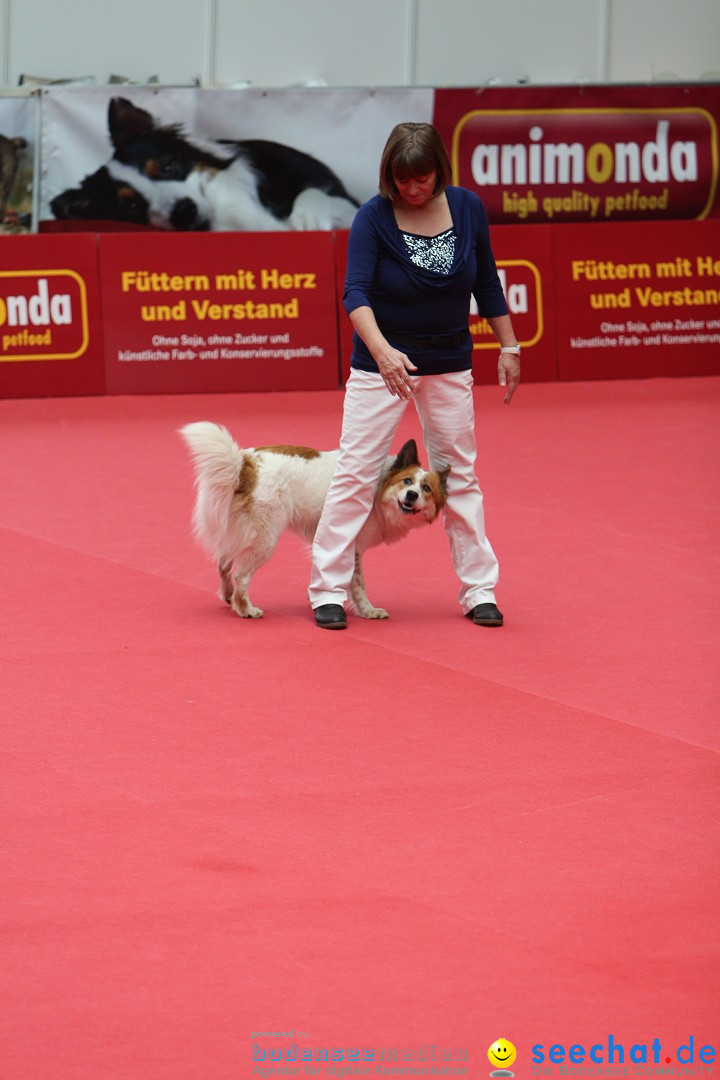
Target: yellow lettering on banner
x,y
634,200
602,301
240,281
576,202
204,309
25,337
160,281
681,267
707,266
164,312
686,297
599,163
520,205
592,270
273,279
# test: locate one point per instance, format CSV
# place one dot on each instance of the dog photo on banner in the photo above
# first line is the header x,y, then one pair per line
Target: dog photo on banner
x,y
231,160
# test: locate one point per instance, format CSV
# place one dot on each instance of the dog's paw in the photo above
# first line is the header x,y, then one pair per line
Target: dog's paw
x,y
360,604
307,221
313,210
373,613
246,610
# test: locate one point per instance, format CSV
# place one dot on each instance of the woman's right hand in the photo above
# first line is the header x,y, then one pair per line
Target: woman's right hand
x,y
393,365
395,368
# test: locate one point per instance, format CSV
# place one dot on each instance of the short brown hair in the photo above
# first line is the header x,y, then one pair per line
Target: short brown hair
x,y
413,150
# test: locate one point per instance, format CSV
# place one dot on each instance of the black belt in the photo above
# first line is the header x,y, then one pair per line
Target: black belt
x,y
438,341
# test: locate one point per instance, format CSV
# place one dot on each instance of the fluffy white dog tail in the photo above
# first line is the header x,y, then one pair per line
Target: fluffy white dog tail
x,y
218,462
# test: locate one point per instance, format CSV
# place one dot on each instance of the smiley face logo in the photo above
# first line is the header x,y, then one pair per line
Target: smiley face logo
x,y
502,1053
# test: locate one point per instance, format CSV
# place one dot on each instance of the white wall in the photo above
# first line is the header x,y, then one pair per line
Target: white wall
x,y
361,42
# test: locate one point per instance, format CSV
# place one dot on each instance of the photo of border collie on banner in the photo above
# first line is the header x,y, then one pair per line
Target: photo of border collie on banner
x,y
217,160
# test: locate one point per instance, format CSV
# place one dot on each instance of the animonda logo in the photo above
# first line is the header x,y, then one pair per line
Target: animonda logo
x,y
43,315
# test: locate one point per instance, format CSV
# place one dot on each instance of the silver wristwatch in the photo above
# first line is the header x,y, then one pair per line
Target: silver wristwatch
x,y
514,349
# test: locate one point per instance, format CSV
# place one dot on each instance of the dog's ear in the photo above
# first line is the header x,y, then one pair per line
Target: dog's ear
x,y
442,477
407,456
126,121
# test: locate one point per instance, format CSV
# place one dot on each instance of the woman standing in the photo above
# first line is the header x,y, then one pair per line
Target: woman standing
x,y
416,254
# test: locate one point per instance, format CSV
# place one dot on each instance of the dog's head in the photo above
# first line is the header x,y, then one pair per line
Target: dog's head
x,y
101,197
156,176
409,495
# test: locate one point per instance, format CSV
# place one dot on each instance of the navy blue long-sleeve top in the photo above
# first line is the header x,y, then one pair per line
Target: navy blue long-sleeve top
x,y
410,301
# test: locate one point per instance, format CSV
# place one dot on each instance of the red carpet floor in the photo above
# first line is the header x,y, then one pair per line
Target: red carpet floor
x,y
416,833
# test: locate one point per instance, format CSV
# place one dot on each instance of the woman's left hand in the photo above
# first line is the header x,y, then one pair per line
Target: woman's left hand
x,y
509,374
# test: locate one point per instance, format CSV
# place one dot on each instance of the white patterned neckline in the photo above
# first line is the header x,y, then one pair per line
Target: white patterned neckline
x,y
435,253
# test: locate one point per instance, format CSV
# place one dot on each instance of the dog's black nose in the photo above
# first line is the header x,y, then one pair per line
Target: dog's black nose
x,y
411,497
183,214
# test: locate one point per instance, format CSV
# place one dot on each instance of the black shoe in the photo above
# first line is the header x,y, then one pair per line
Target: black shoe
x,y
485,615
331,617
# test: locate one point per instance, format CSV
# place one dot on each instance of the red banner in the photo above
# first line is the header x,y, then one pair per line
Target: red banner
x,y
647,306
219,312
581,310
50,339
599,154
258,311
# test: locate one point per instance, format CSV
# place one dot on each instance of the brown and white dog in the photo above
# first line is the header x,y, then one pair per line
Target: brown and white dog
x,y
246,499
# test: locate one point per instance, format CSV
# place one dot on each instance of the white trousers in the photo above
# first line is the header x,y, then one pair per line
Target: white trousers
x,y
371,418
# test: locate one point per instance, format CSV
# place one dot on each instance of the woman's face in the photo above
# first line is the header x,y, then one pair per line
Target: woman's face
x,y
418,190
